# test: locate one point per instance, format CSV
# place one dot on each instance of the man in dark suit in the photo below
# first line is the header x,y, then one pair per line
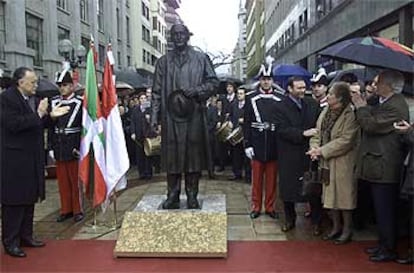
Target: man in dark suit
x,y
297,121
381,157
21,149
140,130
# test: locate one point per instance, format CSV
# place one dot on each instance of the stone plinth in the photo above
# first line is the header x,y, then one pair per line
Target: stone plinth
x,y
149,231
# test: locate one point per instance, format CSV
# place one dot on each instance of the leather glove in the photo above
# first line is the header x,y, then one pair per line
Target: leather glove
x,y
249,152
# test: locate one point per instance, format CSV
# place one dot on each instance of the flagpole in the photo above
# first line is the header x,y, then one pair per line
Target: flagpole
x,y
115,210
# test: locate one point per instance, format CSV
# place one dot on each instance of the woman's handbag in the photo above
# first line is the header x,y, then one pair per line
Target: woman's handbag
x,y
312,185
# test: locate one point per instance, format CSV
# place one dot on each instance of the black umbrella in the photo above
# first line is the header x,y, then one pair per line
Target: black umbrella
x,y
132,78
363,74
373,51
223,83
46,88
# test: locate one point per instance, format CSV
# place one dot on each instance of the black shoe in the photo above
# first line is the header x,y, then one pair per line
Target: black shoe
x,y
235,177
287,226
254,214
78,217
32,243
408,260
192,203
372,250
316,230
15,251
64,217
383,256
272,214
171,204
343,240
330,236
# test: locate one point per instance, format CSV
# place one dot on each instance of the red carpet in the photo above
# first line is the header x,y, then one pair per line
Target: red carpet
x,y
286,256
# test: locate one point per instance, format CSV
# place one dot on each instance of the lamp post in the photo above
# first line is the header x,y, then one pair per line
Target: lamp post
x,y
72,61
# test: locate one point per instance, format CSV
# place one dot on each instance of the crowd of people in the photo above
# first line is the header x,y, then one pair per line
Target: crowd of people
x,y
356,136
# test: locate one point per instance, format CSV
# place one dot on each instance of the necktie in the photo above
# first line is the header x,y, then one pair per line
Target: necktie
x,y
31,102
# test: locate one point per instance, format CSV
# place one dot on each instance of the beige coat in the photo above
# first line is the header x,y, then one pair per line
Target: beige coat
x,y
340,154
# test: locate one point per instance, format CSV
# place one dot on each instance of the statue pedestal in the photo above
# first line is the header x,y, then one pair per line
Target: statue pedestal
x,y
150,231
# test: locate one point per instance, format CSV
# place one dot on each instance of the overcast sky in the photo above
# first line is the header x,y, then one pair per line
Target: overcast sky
x,y
214,23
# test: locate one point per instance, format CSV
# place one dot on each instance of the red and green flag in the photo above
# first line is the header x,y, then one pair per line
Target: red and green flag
x,y
92,166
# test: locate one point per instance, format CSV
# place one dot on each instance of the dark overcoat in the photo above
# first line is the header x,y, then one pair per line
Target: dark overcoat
x,y
382,153
292,145
184,145
22,151
407,187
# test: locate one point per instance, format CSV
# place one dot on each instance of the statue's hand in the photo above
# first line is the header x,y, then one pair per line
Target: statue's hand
x,y
189,93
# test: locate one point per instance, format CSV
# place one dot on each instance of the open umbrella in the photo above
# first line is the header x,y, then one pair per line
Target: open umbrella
x,y
46,88
282,73
122,88
372,51
223,83
132,78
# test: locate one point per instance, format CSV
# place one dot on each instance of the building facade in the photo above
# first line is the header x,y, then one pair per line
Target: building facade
x,y
255,40
33,30
239,63
297,30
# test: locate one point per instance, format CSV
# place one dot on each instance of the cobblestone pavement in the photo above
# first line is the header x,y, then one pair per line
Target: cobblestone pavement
x,y
240,226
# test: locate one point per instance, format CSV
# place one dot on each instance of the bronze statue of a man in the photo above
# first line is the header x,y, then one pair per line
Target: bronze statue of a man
x,y
184,79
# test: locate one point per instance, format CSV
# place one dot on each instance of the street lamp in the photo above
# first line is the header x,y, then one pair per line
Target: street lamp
x,y
67,50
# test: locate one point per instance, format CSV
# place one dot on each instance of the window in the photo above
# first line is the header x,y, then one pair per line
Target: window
x,y
154,41
100,13
128,37
63,33
85,43
118,25
145,10
129,60
61,4
144,56
101,53
146,34
320,9
154,23
2,31
83,6
303,22
34,37
119,59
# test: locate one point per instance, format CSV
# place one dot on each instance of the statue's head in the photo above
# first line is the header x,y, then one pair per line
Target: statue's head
x,y
180,35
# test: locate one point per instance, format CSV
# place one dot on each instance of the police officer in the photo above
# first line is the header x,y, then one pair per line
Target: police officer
x,y
65,141
260,141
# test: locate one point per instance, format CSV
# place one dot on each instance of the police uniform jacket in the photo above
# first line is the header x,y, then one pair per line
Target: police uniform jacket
x,y
65,131
260,124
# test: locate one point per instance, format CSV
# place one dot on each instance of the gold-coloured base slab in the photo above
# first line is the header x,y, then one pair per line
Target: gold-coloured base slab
x,y
152,232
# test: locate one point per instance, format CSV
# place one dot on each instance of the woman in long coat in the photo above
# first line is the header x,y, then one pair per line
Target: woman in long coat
x,y
336,147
